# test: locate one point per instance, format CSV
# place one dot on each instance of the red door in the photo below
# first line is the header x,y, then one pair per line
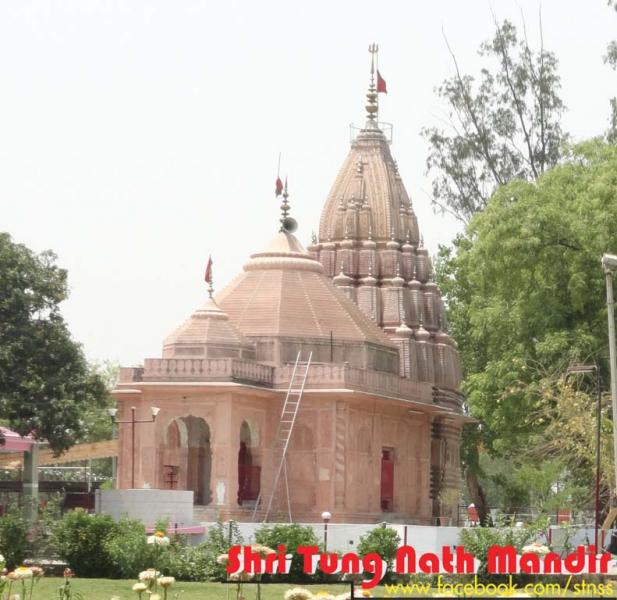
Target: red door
x,y
387,479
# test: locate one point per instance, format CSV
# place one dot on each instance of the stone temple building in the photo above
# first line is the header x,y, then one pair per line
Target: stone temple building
x,y
377,424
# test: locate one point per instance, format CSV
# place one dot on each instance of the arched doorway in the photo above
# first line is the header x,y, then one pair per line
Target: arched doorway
x,y
249,474
188,452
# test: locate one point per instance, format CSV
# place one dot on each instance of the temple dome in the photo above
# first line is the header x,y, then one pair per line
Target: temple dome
x,y
208,333
283,293
368,195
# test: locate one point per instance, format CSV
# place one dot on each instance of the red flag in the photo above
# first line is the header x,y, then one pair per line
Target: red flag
x,y
279,186
381,84
208,276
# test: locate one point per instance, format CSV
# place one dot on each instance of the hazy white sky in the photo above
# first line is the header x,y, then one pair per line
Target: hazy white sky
x,y
138,136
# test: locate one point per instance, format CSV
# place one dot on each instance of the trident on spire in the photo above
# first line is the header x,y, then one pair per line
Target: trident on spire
x,y
372,107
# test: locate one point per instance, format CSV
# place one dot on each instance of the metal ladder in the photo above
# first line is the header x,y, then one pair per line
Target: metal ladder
x,y
284,431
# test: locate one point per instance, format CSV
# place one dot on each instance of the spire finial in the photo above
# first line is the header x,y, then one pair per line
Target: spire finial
x,y
372,107
284,206
208,277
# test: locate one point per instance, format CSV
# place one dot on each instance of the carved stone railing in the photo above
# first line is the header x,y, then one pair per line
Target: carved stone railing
x,y
341,376
200,369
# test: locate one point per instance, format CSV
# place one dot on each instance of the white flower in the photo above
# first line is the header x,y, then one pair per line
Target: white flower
x,y
345,596
298,594
139,587
1,558
159,538
166,581
262,550
536,548
148,575
23,573
241,577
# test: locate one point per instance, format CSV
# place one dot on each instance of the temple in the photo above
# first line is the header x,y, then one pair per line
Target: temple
x,y
318,379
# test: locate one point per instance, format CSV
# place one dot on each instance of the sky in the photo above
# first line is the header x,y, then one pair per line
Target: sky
x,y
138,137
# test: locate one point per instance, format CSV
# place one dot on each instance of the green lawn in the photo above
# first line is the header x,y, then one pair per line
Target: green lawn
x,y
104,589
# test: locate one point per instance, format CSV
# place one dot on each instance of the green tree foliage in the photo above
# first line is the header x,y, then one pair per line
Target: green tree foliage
x,y
291,536
383,541
14,545
479,540
45,382
80,538
219,538
95,421
611,59
525,292
503,125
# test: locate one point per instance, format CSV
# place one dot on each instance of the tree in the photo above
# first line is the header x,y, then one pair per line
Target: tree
x,y
525,292
45,382
505,126
611,59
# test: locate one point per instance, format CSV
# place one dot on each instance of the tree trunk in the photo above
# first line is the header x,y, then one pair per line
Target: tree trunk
x,y
477,495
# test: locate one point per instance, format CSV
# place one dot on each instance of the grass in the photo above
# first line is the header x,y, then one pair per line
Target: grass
x,y
104,589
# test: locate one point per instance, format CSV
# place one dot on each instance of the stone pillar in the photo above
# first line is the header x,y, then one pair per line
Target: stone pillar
x,y
30,482
340,450
402,338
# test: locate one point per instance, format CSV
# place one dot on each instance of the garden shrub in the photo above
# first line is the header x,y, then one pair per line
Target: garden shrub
x,y
79,538
217,543
478,540
185,563
127,550
384,541
291,536
14,544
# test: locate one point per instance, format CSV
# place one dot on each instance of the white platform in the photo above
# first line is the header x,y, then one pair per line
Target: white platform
x,y
147,505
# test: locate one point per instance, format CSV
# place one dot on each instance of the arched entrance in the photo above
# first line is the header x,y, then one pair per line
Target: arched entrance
x,y
249,474
188,452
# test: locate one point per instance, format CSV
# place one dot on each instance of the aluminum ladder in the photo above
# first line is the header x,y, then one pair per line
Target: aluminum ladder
x,y
283,433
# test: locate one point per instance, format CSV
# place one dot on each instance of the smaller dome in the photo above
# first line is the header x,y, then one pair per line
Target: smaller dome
x,y
369,280
342,280
414,284
208,333
369,244
403,330
441,337
422,335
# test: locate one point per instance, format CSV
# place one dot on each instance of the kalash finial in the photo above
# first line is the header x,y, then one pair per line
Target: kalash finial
x,y
372,107
375,88
288,224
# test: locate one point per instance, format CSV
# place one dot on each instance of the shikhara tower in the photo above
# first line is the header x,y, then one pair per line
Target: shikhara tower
x,y
369,244
378,431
